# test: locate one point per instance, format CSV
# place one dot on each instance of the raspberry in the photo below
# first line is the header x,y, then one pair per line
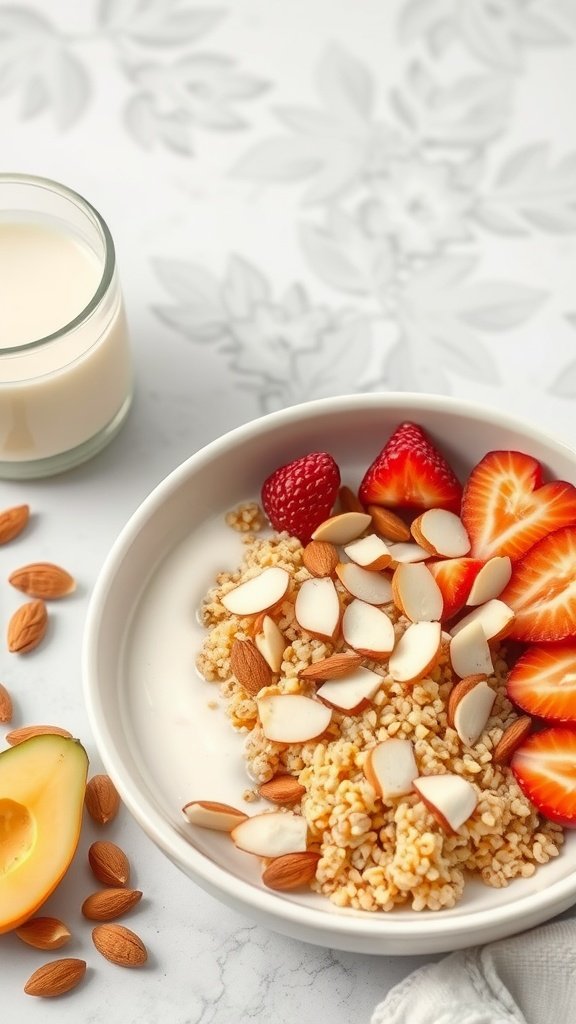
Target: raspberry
x,y
299,496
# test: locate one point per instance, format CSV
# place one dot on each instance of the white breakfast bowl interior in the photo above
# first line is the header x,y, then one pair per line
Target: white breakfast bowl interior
x,y
163,743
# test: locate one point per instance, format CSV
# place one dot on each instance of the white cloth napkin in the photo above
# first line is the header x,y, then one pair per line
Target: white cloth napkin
x,y
528,979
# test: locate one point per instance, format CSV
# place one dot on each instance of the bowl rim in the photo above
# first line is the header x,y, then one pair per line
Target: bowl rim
x,y
534,907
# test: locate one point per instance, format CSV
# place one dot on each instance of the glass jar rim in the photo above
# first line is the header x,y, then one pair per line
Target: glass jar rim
x,y
50,185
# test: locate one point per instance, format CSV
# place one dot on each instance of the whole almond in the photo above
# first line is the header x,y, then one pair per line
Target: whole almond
x,y
101,799
109,863
349,500
511,739
120,945
27,627
6,708
43,579
388,524
26,732
44,933
462,687
56,977
107,904
291,871
334,667
249,666
12,522
282,789
320,557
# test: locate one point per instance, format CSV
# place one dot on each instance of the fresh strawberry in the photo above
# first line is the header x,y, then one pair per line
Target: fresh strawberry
x,y
506,507
410,472
545,769
455,577
543,682
542,590
299,496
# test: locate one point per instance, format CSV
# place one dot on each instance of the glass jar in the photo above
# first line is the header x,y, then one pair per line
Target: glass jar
x,y
65,360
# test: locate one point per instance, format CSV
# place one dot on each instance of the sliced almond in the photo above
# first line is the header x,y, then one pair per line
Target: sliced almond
x,y
333,667
416,652
43,579
349,500
343,528
388,524
27,627
271,834
12,522
271,643
6,706
26,732
109,863
352,692
259,593
213,815
292,871
472,709
491,579
441,532
249,666
510,740
391,767
320,557
470,653
120,945
44,933
317,608
368,630
407,553
282,789
101,799
292,718
459,689
369,552
417,593
107,904
450,798
56,977
369,586
494,616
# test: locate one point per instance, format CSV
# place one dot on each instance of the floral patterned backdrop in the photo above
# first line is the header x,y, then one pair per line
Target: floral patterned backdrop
x,y
313,197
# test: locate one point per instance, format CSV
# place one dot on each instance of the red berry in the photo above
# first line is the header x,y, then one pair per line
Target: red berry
x,y
410,472
299,496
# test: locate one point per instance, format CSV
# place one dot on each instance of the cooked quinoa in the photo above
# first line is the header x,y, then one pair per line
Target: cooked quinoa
x,y
376,856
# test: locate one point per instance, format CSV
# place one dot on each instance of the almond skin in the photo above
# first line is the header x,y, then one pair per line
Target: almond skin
x,y
44,933
107,904
460,690
511,739
282,789
388,524
109,863
27,627
43,579
6,708
101,799
291,871
320,558
120,945
56,977
334,667
249,666
28,731
12,522
349,500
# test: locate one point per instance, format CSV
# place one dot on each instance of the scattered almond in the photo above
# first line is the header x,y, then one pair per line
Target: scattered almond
x,y
120,945
27,627
282,789
511,738
6,708
461,688
44,933
56,977
249,666
320,557
12,522
26,732
109,863
291,871
101,799
349,500
106,904
388,524
333,667
43,579
213,814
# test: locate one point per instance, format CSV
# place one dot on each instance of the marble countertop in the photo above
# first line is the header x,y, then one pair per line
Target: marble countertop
x,y
308,197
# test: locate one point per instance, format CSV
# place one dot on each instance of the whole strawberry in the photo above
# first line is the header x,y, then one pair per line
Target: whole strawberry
x,y
299,496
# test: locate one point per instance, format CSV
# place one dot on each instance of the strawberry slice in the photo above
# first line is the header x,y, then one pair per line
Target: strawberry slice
x,y
545,769
542,590
506,507
410,472
455,577
543,682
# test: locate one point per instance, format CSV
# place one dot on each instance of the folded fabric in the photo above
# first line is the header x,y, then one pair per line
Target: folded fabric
x,y
528,979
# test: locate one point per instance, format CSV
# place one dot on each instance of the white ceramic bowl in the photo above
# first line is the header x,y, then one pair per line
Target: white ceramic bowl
x,y
162,743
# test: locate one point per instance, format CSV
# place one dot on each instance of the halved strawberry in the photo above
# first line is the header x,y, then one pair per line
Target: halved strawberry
x,y
542,590
410,472
455,577
545,769
543,682
506,507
